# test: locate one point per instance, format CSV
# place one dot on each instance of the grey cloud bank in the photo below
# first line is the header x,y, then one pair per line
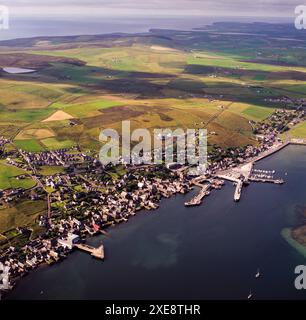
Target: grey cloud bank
x,y
100,8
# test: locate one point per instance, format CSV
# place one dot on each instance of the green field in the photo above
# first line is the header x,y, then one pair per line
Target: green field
x,y
23,214
29,145
54,144
88,108
50,170
8,176
258,113
299,131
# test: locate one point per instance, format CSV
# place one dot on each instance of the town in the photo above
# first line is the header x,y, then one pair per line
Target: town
x,y
86,197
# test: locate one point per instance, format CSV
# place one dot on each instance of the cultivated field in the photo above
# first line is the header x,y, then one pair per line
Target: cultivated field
x,y
217,78
204,79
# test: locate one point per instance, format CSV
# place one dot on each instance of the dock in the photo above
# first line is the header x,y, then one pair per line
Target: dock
x,y
275,181
197,200
94,252
227,178
238,190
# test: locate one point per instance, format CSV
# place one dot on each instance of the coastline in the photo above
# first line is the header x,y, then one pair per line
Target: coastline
x,y
167,189
129,194
261,156
156,249
287,235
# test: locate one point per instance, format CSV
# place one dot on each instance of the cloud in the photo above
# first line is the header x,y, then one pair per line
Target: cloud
x,y
100,8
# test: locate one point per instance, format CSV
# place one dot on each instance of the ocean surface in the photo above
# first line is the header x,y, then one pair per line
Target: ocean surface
x,y
25,28
207,252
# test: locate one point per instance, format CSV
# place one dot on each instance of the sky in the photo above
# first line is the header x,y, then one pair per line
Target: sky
x,y
150,8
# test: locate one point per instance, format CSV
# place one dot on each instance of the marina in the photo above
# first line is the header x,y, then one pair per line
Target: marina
x,y
239,176
245,173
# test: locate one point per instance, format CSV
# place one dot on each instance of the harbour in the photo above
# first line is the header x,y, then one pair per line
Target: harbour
x,y
245,173
214,248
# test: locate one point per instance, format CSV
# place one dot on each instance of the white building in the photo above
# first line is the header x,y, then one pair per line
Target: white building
x,y
70,241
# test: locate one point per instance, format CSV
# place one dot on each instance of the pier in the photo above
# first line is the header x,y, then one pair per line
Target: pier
x,y
238,190
94,252
227,177
197,200
275,181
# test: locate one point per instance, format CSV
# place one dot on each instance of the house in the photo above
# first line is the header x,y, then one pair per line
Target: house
x,y
70,241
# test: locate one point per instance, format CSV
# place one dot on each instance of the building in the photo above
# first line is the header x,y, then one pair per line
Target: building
x,y
71,240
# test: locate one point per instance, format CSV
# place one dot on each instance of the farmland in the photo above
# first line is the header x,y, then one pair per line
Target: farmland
x,y
162,79
9,177
299,131
183,79
23,214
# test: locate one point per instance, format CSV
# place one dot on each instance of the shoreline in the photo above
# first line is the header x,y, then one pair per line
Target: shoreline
x,y
92,210
193,184
44,286
175,187
286,233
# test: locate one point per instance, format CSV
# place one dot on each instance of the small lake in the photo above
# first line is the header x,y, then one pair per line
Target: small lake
x,y
13,70
207,252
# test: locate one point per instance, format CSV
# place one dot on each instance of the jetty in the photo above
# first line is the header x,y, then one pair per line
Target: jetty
x,y
237,194
197,200
97,253
275,181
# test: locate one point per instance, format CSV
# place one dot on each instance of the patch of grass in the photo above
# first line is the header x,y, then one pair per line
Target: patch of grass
x,y
251,111
91,108
257,113
230,62
55,144
260,77
22,214
8,176
28,116
35,134
50,170
30,145
299,131
128,58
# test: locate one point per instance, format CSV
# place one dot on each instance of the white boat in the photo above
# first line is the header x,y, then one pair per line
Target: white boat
x,y
250,295
258,274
